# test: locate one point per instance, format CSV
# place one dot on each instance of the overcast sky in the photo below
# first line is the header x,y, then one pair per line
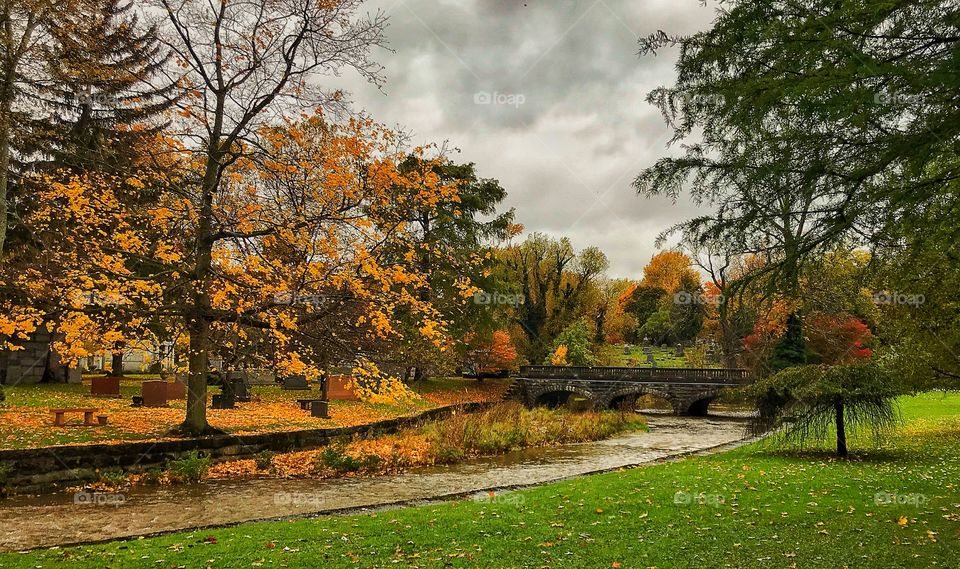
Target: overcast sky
x,y
548,96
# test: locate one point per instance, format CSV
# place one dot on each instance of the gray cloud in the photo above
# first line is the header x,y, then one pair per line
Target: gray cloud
x,y
548,97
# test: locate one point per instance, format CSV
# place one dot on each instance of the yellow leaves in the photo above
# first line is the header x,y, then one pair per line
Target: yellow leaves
x,y
371,385
559,357
290,363
18,323
136,183
166,252
902,521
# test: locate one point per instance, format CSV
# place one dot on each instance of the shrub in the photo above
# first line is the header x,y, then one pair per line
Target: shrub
x,y
113,477
153,477
189,469
510,426
335,457
264,460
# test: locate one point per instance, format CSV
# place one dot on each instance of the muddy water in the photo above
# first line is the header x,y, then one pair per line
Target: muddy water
x,y
31,522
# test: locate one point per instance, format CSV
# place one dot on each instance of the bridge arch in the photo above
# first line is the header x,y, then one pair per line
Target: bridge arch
x,y
558,394
699,407
616,398
698,404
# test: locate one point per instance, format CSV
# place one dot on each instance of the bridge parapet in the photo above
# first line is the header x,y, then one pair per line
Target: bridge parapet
x,y
731,377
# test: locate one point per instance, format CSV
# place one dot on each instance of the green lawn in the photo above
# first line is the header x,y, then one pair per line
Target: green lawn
x,y
25,421
665,357
753,507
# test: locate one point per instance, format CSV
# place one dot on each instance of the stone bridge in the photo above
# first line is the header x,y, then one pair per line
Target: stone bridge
x,y
689,391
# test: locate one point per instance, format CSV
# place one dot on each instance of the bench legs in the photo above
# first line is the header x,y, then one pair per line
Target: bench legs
x,y
60,422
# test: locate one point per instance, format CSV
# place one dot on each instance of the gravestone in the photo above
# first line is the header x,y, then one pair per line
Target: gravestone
x,y
105,386
320,409
154,393
679,351
650,359
239,388
295,382
254,376
222,401
338,389
176,390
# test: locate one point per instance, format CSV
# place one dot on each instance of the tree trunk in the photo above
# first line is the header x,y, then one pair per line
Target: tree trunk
x,y
116,364
5,111
727,339
841,430
325,384
196,419
199,313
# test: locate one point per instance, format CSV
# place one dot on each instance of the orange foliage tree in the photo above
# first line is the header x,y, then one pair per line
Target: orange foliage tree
x,y
244,64
666,269
311,259
496,352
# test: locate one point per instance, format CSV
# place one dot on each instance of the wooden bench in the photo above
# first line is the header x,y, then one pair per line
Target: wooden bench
x,y
58,415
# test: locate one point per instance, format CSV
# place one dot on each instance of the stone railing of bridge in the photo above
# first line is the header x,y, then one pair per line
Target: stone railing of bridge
x,y
724,376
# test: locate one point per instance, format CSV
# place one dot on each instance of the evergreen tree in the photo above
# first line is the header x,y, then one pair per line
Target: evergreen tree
x,y
105,88
791,350
687,310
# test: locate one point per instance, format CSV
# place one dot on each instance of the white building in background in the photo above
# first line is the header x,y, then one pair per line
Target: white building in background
x,y
140,359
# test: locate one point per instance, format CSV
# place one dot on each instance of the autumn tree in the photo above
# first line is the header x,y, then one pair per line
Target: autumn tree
x,y
305,269
100,102
452,242
838,338
553,280
666,269
613,323
487,354
245,64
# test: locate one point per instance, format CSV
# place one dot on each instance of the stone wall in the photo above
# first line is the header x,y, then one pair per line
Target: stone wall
x,y
29,364
50,468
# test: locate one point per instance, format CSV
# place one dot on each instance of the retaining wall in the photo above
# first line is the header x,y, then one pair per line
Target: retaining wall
x,y
49,468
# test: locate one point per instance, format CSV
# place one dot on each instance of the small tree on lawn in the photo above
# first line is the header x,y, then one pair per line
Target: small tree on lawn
x,y
576,339
821,398
494,352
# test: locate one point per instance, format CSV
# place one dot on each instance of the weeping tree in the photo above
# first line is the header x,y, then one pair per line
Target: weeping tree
x,y
822,400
